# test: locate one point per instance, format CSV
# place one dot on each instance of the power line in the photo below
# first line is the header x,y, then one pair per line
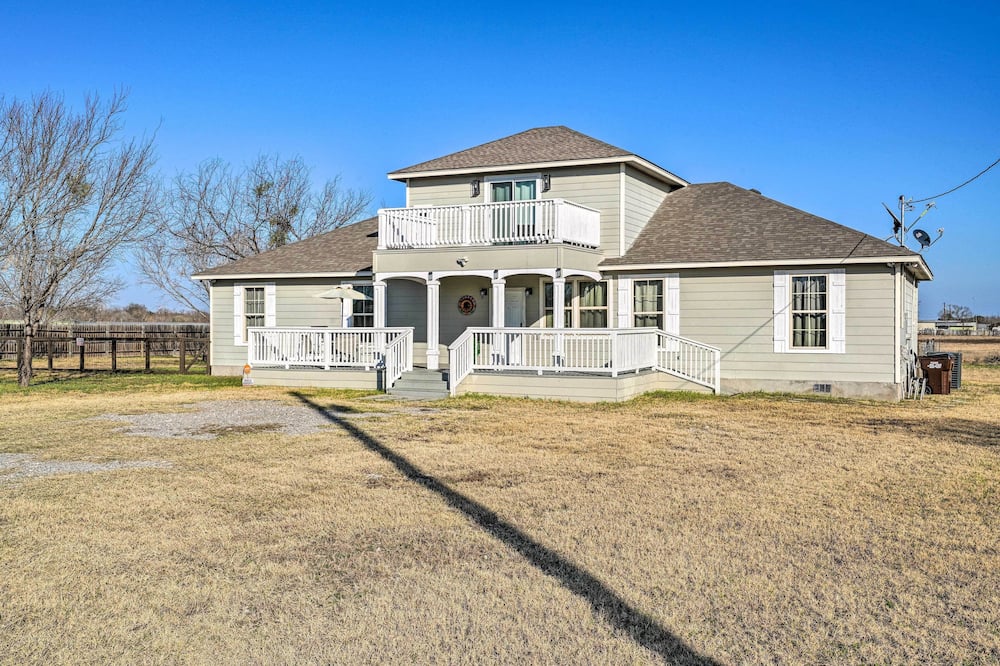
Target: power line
x,y
938,196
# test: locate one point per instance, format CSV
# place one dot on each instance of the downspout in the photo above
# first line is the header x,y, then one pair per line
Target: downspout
x,y
897,275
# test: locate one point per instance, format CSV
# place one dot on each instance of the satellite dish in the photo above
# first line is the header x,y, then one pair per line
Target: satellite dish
x,y
922,237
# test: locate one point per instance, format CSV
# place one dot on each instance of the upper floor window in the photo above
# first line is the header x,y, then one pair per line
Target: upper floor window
x,y
515,189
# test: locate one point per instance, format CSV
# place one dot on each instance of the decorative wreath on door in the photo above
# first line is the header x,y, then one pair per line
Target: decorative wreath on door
x,y
466,305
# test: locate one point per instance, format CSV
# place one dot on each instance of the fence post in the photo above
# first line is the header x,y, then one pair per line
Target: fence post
x,y
82,362
48,352
145,350
114,354
183,356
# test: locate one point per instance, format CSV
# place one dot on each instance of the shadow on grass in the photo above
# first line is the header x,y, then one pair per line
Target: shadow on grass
x,y
605,602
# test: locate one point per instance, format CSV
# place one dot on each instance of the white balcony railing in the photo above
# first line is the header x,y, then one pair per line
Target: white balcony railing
x,y
501,223
390,349
601,351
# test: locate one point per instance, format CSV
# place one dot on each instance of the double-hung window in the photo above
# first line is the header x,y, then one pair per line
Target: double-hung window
x,y
810,311
647,305
253,307
363,310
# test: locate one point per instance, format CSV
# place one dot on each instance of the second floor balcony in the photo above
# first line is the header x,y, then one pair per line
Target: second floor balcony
x,y
501,223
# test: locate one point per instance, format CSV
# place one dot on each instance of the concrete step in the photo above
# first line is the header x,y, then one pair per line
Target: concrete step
x,y
421,384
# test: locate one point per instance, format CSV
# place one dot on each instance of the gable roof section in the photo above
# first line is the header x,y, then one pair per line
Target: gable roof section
x,y
344,251
717,223
541,146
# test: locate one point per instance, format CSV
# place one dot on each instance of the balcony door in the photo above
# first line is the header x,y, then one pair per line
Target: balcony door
x,y
513,223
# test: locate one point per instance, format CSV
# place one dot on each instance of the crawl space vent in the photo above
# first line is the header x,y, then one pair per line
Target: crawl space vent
x,y
822,388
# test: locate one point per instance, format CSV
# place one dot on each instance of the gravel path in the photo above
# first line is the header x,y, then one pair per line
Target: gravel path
x,y
205,420
211,418
16,466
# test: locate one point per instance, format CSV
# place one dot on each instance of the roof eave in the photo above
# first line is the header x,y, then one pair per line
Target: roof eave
x,y
915,263
636,161
260,276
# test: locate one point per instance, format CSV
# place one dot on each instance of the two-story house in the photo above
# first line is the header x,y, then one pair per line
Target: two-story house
x,y
551,264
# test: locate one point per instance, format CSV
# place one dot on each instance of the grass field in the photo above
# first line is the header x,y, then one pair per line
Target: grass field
x,y
677,528
974,348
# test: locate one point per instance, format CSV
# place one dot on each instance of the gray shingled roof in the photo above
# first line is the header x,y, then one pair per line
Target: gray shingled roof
x,y
541,144
344,250
720,222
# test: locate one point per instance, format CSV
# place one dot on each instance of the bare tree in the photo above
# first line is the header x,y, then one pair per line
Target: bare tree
x,y
72,196
217,215
954,312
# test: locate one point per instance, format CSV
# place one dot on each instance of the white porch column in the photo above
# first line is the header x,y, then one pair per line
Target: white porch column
x,y
379,303
559,302
433,322
558,315
497,303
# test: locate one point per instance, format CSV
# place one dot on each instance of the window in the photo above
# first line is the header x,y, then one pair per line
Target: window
x,y
586,304
809,313
647,306
363,311
513,223
253,306
593,304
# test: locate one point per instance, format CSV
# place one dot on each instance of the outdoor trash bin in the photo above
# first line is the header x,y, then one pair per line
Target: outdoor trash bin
x,y
937,369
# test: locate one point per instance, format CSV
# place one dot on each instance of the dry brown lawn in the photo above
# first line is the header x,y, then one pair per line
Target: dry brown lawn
x,y
751,529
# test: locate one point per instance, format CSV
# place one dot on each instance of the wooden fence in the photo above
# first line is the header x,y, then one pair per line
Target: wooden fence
x,y
84,353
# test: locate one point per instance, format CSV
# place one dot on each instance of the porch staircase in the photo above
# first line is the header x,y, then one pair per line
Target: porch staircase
x,y
421,384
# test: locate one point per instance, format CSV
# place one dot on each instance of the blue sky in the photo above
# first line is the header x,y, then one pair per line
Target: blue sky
x,y
830,107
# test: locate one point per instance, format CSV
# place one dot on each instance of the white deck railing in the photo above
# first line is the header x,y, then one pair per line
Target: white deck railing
x,y
365,348
690,360
588,350
501,223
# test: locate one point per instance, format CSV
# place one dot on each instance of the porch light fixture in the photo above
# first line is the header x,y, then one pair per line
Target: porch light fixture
x,y
528,292
474,188
546,182
483,292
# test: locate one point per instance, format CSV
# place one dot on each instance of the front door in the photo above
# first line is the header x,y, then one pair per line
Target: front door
x,y
513,317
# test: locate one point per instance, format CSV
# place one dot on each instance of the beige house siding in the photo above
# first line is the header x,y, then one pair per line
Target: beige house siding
x,y
406,305
296,304
643,195
733,310
442,191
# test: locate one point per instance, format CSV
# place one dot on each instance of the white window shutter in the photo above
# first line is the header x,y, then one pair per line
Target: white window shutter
x,y
237,315
672,306
270,320
781,305
838,311
625,303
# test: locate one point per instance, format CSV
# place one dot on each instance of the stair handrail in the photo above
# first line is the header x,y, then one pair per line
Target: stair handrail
x,y
690,360
459,360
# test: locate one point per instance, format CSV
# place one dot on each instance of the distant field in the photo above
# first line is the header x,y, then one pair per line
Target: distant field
x,y
974,348
677,528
